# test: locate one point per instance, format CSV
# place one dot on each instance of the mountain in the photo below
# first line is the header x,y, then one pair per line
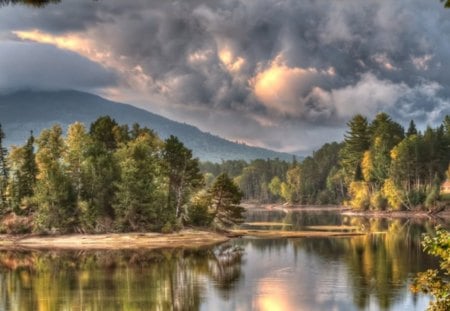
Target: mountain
x,y
23,111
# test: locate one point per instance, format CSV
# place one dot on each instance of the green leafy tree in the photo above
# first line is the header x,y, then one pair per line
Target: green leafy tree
x,y
184,177
4,172
292,191
139,194
22,179
225,198
77,142
275,186
436,282
385,135
54,195
101,173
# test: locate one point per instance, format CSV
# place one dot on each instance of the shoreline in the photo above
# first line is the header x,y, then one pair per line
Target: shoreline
x,y
188,238
344,210
197,238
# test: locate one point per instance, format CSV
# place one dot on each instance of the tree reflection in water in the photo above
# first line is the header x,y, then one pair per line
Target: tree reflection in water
x,y
120,280
380,263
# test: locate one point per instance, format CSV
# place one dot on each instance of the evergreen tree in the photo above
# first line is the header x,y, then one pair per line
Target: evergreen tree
x,y
225,199
106,132
54,194
29,169
183,174
139,194
385,135
22,179
411,129
101,172
356,142
77,142
4,172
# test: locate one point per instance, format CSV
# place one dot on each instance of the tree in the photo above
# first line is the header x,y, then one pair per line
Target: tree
x,y
54,195
100,172
412,130
435,282
275,186
4,172
225,199
183,174
23,172
106,132
139,194
293,185
356,142
385,134
77,141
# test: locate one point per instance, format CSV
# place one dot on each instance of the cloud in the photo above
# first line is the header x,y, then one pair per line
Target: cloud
x,y
261,71
31,65
285,89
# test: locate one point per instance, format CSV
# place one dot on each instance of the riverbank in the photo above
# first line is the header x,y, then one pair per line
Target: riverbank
x,y
114,241
346,211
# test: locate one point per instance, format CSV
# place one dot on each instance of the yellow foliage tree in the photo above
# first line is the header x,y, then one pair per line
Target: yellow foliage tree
x,y
393,195
360,196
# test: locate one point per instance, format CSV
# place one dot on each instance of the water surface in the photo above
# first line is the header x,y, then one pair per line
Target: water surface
x,y
370,272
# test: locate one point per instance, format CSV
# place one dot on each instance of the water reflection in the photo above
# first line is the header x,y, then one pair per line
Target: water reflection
x,y
368,272
156,280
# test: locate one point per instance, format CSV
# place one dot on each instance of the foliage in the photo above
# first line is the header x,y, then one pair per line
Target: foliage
x,y
199,212
183,174
139,193
359,192
4,172
225,198
436,282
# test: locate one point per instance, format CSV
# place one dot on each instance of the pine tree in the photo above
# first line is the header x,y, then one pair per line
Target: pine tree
x,y
225,199
22,179
411,129
356,142
4,172
139,194
54,193
183,174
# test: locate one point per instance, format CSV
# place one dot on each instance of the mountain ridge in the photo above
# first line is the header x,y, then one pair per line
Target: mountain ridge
x,y
26,110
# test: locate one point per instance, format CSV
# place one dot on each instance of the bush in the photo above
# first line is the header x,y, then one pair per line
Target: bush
x,y
436,282
167,228
416,197
13,224
360,198
199,215
378,202
432,197
393,195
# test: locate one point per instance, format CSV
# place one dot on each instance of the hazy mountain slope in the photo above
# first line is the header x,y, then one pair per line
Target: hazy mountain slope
x,y
23,111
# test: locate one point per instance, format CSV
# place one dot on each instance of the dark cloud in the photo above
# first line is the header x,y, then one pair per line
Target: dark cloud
x,y
30,65
285,73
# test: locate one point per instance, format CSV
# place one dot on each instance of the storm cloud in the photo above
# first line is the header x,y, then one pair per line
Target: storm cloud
x,y
281,74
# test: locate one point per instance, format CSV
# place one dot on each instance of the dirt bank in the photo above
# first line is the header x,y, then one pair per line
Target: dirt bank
x,y
184,239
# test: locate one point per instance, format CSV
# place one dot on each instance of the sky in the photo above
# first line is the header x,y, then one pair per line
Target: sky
x,y
281,74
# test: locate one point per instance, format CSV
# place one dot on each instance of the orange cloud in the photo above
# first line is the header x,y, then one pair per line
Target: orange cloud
x,y
282,88
91,50
232,63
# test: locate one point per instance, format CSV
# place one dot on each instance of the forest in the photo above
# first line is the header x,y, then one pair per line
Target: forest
x,y
110,178
378,166
113,178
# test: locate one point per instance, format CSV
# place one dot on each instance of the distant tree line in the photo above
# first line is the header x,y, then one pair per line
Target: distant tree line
x,y
109,178
378,166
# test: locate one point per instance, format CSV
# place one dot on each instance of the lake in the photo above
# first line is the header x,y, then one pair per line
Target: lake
x,y
370,272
